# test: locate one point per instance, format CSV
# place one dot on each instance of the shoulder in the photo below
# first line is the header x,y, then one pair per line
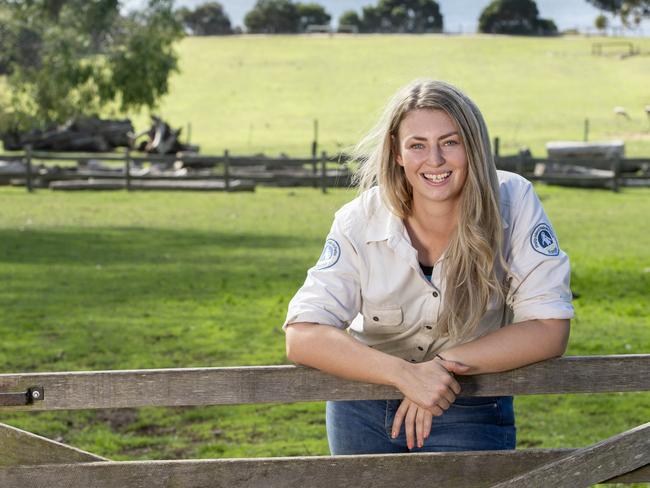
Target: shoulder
x,y
512,187
354,217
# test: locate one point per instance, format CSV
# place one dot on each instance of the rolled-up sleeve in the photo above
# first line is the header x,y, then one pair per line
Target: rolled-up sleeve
x,y
539,269
331,293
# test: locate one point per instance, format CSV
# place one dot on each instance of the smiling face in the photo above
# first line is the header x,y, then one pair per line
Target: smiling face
x,y
432,153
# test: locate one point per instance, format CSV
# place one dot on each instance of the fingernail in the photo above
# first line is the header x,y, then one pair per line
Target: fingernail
x,y
394,434
419,444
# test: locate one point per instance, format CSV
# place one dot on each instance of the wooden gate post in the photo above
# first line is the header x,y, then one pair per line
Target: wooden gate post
x,y
323,171
127,169
226,169
28,168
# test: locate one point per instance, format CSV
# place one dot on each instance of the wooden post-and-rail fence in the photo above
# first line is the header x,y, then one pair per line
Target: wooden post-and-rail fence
x,y
238,172
27,460
320,172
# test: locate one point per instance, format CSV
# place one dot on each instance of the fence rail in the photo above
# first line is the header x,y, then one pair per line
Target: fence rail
x,y
287,383
28,460
324,171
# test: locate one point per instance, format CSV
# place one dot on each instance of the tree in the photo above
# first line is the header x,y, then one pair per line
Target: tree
x,y
311,14
273,17
412,16
349,17
518,17
601,22
208,19
67,58
631,12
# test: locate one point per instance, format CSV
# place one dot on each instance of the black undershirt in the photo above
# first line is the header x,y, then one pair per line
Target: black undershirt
x,y
426,270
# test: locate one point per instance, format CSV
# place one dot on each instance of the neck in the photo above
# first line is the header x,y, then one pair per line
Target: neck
x,y
439,220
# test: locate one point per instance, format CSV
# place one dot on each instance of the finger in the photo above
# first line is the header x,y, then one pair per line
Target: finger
x,y
399,417
455,367
444,403
409,425
427,424
437,411
419,426
454,386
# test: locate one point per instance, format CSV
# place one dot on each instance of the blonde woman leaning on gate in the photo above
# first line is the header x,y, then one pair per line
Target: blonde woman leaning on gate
x,y
443,265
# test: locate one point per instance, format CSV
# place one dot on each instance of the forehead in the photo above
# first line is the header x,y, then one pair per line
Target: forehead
x,y
426,122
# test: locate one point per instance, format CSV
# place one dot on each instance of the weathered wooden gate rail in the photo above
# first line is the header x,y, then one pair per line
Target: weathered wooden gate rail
x,y
29,460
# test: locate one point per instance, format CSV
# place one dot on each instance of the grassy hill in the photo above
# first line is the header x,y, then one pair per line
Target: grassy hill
x,y
254,94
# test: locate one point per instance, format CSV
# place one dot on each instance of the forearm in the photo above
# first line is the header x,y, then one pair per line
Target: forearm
x,y
512,346
331,350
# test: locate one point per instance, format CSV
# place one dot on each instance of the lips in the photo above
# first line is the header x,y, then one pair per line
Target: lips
x,y
436,178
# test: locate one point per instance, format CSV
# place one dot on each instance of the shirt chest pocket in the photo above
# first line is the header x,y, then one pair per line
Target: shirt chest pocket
x,y
382,320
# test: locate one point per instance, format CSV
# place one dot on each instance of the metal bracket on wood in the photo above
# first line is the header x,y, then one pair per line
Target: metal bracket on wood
x,y
33,394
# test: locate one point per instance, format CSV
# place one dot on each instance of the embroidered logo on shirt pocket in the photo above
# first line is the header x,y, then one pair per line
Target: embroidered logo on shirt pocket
x,y
382,320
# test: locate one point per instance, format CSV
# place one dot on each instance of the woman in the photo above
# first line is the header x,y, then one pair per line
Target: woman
x,y
442,266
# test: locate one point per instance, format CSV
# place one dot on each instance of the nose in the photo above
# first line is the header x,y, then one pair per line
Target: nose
x,y
436,158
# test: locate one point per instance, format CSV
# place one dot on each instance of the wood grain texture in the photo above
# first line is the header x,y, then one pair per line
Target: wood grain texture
x,y
19,448
285,384
612,457
467,469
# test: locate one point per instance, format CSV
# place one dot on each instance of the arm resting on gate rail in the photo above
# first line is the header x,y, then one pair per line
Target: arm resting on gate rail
x,y
331,350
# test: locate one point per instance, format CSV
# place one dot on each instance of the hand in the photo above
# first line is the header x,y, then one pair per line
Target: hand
x,y
417,417
430,384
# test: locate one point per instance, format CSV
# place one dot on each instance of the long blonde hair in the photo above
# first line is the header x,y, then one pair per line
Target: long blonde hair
x,y
474,255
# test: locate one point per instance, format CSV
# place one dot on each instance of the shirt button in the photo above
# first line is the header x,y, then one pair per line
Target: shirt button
x,y
435,294
375,318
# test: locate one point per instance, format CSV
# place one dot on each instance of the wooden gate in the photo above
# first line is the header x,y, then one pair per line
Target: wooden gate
x,y
27,460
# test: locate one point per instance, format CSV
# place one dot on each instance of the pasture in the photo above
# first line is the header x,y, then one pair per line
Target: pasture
x,y
252,94
148,280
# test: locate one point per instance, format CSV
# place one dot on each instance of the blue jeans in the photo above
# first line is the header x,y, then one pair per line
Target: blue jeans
x,y
470,424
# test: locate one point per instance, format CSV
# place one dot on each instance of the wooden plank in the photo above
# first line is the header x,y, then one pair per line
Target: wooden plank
x,y
467,469
286,383
594,464
19,447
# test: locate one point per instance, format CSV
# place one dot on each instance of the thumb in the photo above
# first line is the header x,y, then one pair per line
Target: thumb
x,y
455,367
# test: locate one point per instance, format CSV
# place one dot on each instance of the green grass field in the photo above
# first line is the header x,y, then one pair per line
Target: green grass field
x,y
253,94
148,280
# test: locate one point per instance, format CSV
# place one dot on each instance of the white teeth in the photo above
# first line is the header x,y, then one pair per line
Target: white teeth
x,y
436,178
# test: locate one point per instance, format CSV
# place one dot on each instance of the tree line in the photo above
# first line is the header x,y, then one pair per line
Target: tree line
x,y
515,17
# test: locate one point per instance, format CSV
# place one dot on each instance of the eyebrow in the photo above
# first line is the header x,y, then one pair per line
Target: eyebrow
x,y
444,136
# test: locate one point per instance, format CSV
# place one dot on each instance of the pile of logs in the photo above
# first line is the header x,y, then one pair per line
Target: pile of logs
x,y
92,134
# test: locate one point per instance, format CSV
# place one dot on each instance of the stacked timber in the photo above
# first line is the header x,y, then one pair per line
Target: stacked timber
x,y
582,164
86,134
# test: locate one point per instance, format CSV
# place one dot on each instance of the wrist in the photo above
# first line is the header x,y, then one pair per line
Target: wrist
x,y
398,370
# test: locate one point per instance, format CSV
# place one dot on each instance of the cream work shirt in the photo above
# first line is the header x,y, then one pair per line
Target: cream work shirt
x,y
368,279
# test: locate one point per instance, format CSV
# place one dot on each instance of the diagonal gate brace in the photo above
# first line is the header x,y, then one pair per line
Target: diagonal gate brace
x,y
599,462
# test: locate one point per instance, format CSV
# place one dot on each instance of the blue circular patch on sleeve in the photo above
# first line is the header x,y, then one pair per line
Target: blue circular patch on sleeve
x,y
543,240
330,255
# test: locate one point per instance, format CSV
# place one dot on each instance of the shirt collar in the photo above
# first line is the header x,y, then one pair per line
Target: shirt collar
x,y
384,224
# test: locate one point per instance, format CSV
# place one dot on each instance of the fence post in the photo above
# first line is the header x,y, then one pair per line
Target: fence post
x,y
586,131
496,147
521,162
323,171
28,168
616,170
226,169
127,169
